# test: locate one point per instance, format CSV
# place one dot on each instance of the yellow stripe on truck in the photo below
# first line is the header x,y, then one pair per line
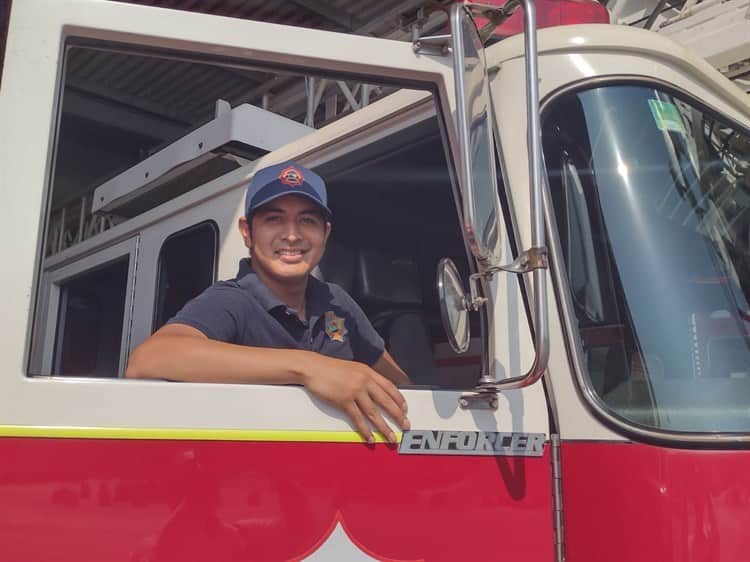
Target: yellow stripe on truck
x,y
186,434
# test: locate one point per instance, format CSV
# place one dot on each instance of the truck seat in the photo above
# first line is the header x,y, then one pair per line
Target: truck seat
x,y
337,266
388,289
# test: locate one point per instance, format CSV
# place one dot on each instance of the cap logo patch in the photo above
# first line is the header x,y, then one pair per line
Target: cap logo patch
x,y
291,176
334,326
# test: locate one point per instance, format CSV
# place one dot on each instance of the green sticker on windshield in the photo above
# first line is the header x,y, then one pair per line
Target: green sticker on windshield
x,y
666,116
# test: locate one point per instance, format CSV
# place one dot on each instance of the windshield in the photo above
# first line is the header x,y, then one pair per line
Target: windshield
x,y
651,196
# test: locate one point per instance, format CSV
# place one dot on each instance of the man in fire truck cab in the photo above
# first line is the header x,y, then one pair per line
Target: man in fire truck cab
x,y
276,323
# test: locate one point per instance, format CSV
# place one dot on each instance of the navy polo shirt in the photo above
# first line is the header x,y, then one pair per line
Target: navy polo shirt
x,y
244,311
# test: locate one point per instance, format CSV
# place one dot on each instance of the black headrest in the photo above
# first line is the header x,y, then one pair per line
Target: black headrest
x,y
387,280
337,266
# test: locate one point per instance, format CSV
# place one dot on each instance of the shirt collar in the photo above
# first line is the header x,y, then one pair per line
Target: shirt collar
x,y
316,294
248,279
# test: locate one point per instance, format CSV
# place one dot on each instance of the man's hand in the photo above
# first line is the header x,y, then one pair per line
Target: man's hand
x,y
359,391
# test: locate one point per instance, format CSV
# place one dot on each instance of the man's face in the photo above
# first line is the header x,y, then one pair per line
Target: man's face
x,y
286,238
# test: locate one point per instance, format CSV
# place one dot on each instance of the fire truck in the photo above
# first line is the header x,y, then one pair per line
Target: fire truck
x,y
550,232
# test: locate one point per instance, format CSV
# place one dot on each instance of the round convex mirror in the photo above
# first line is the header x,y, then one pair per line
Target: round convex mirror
x,y
453,305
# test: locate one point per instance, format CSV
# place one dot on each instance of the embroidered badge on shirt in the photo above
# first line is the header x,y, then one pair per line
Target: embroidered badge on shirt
x,y
335,328
291,176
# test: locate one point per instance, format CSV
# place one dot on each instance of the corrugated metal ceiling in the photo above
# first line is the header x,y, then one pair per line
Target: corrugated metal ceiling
x,y
186,92
121,105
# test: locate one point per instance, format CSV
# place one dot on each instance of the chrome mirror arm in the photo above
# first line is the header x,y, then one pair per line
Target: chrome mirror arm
x,y
535,258
529,260
495,16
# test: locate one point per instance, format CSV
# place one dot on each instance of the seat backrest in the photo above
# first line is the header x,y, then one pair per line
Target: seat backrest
x,y
337,266
388,287
384,282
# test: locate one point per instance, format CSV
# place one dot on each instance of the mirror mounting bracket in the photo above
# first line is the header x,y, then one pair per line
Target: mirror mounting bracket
x,y
435,45
479,400
535,257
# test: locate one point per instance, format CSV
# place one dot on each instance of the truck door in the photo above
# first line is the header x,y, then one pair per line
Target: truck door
x,y
105,468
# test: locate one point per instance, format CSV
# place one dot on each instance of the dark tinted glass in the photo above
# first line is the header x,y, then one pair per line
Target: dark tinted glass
x,y
89,334
4,17
187,265
652,200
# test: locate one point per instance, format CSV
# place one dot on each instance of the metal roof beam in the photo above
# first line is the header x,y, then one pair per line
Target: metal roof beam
x,y
113,95
326,11
391,14
112,114
296,93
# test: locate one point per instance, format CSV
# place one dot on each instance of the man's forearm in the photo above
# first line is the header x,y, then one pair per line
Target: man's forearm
x,y
197,359
182,353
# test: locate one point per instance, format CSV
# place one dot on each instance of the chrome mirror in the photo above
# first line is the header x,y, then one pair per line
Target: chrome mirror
x,y
453,309
476,145
478,180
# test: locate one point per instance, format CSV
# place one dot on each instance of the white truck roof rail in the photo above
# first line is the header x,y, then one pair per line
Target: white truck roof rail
x,y
244,129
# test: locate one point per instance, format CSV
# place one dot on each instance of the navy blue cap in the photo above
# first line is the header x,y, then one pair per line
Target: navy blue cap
x,y
287,178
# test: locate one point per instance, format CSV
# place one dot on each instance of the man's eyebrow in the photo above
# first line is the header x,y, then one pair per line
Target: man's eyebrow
x,y
312,210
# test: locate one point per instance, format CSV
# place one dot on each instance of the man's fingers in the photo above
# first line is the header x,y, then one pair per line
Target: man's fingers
x,y
391,407
370,410
389,397
391,389
360,423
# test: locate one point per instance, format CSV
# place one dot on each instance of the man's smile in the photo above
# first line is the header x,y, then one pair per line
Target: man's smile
x,y
291,255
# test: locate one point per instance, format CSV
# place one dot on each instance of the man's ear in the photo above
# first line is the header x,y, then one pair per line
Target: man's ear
x,y
328,231
244,227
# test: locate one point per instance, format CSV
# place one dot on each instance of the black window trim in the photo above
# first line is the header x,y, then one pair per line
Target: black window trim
x,y
4,30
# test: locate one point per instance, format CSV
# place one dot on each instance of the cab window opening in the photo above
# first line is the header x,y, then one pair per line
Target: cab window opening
x,y
393,200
